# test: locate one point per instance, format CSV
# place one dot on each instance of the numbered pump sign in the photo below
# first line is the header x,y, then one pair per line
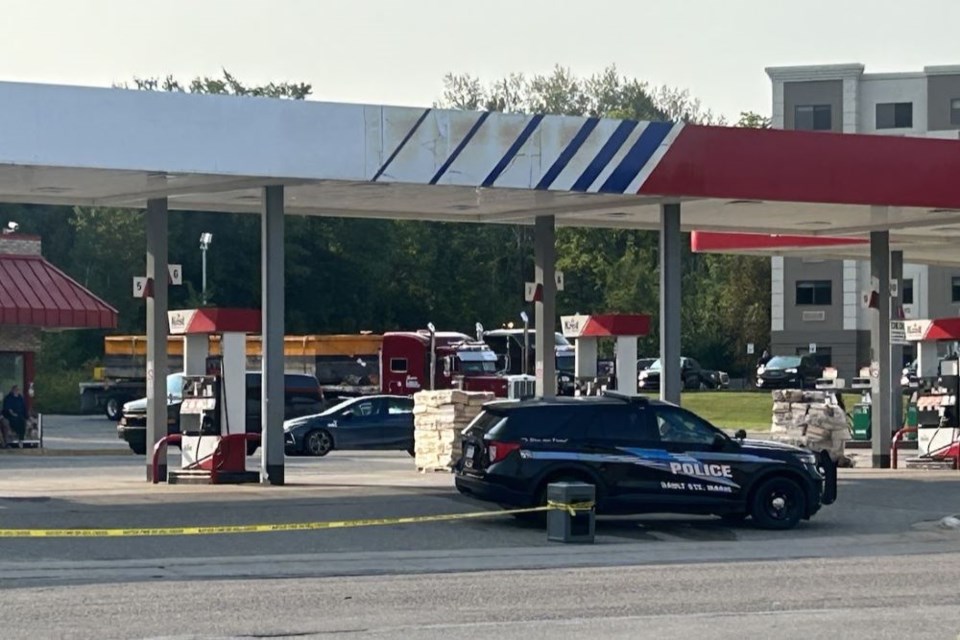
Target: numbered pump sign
x,y
141,284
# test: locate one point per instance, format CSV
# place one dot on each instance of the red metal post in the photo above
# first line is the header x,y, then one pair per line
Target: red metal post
x,y
161,446
897,438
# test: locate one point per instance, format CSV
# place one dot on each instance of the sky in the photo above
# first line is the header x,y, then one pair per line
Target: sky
x,y
397,51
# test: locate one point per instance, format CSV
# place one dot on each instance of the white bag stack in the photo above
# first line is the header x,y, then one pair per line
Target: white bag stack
x,y
438,419
811,419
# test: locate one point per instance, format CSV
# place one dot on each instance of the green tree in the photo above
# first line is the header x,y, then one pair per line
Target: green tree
x,y
753,120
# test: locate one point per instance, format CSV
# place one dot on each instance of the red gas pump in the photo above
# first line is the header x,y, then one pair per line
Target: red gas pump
x,y
937,397
213,437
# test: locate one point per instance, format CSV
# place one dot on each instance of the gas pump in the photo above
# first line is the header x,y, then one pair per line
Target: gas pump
x,y
587,330
213,438
938,391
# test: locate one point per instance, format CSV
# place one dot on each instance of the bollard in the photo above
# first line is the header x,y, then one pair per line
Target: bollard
x,y
561,525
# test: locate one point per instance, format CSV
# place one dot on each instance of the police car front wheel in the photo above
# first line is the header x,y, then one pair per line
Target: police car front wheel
x,y
778,503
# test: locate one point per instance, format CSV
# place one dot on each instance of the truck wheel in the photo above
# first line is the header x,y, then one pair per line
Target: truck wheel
x,y
113,408
252,448
778,504
139,448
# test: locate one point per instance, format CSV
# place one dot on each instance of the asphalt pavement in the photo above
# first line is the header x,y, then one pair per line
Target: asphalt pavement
x,y
861,598
876,564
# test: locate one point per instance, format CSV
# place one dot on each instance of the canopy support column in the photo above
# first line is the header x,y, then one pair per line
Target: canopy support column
x,y
670,382
880,366
272,367
545,258
157,360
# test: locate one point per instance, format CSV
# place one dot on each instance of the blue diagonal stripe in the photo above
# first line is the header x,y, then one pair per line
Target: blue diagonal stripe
x,y
513,150
460,147
567,154
606,153
400,146
638,156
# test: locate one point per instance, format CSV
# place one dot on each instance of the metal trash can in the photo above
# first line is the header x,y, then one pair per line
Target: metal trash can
x,y
562,526
861,421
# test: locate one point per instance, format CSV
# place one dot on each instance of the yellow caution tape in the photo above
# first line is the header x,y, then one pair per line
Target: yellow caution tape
x,y
272,528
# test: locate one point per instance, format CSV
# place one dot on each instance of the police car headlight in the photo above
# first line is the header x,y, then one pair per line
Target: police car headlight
x,y
807,458
791,370
643,375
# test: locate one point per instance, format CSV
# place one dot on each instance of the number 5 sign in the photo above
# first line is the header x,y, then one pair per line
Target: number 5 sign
x,y
140,287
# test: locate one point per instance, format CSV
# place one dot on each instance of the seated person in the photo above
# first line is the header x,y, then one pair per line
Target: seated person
x,y
15,411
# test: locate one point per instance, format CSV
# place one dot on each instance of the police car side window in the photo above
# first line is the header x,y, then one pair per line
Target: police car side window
x,y
623,424
679,426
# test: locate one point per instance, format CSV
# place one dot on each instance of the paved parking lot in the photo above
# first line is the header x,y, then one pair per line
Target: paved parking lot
x,y
852,565
893,510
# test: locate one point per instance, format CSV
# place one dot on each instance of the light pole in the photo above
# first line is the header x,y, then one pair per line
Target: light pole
x,y
526,341
205,239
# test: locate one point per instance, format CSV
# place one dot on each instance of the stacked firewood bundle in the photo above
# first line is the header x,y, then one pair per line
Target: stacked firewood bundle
x,y
812,419
438,419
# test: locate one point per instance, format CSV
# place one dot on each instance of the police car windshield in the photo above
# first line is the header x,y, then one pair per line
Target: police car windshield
x,y
784,362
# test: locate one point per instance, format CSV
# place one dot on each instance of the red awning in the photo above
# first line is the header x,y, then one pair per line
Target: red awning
x,y
33,292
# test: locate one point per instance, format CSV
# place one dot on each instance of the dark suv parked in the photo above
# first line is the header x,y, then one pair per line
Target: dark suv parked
x,y
692,376
302,397
797,372
643,456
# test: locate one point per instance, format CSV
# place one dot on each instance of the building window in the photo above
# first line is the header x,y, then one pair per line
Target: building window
x,y
907,292
813,117
398,365
817,292
823,357
955,288
895,115
955,111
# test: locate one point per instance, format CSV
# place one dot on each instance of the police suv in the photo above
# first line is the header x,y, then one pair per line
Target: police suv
x,y
643,456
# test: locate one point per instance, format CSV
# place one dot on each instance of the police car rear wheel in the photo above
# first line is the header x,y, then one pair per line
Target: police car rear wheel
x,y
777,504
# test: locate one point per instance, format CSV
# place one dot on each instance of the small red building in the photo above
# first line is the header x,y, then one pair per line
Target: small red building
x,y
34,296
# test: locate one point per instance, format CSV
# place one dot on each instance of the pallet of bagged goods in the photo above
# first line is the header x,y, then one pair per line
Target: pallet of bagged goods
x,y
438,419
811,419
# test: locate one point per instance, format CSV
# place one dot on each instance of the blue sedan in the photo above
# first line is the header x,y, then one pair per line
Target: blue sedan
x,y
368,422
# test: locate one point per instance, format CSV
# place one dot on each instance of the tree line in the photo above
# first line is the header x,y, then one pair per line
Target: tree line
x,y
350,275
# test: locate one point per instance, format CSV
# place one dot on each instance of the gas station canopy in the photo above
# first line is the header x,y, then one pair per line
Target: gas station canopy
x,y
161,151
117,147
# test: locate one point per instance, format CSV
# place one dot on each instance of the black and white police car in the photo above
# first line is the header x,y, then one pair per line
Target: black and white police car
x,y
643,456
